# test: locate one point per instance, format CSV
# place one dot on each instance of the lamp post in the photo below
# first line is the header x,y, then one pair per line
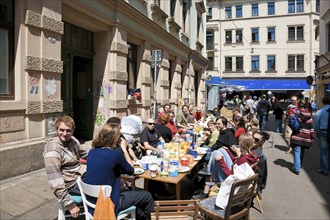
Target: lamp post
x,y
156,61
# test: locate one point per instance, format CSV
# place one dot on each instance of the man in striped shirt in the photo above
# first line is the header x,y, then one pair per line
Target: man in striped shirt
x,y
62,156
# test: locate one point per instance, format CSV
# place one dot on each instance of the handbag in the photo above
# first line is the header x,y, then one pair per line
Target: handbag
x,y
104,208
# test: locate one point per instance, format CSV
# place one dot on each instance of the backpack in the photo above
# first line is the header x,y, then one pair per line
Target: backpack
x,y
294,123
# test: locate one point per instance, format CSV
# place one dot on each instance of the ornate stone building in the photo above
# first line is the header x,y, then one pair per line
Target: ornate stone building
x,y
87,59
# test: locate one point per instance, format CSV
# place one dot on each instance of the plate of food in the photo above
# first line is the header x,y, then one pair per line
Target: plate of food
x,y
138,171
201,150
197,158
183,169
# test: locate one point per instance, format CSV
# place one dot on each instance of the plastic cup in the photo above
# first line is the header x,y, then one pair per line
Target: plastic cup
x,y
184,161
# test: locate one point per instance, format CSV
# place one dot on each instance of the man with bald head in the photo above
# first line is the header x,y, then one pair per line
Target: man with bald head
x,y
150,136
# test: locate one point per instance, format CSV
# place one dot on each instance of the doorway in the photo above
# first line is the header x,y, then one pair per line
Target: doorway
x,y
76,92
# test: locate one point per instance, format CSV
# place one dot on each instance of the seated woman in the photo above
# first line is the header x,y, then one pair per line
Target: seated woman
x,y
223,160
164,131
104,167
239,126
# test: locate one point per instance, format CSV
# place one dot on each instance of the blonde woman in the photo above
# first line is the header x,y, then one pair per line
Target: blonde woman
x,y
243,154
104,167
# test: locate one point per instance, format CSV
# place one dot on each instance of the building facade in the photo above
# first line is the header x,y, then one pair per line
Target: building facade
x,y
91,60
323,70
263,45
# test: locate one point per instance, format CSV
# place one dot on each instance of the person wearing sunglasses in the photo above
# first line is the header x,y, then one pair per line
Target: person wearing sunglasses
x,y
150,136
61,157
260,137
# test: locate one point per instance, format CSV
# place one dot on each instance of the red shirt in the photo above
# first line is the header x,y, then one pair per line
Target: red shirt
x,y
198,115
171,125
239,131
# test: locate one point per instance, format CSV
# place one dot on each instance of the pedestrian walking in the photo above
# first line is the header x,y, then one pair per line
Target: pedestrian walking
x,y
263,109
278,112
322,133
302,138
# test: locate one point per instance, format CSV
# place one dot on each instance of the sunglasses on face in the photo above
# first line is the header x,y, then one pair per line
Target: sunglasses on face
x,y
67,130
151,123
257,140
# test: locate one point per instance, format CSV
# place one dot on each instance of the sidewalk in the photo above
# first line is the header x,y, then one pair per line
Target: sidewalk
x,y
27,197
287,196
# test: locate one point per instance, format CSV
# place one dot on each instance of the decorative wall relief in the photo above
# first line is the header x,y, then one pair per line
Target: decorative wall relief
x,y
50,87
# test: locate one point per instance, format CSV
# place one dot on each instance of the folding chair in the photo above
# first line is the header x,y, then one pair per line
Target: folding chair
x,y
93,191
176,209
239,203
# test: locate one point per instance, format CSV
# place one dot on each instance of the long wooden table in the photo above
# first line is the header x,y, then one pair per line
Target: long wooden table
x,y
169,179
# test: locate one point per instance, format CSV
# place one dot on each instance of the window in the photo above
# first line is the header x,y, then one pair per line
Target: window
x,y
228,37
296,63
209,40
291,6
228,12
255,10
271,34
271,63
7,49
295,6
255,63
132,66
228,64
255,34
318,6
239,63
210,12
184,16
271,8
238,36
172,5
296,33
300,6
239,13
210,66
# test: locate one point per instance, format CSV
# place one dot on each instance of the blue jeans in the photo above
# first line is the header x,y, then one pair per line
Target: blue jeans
x,y
208,152
324,151
278,124
262,121
217,174
298,157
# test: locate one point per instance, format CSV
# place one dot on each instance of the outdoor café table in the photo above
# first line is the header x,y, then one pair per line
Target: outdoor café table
x,y
176,180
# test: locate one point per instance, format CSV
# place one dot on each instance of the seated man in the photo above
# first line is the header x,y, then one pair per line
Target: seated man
x,y
150,136
61,157
182,118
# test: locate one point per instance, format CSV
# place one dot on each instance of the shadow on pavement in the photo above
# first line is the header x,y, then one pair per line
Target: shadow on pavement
x,y
281,147
284,163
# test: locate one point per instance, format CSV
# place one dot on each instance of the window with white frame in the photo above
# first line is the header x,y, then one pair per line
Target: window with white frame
x,y
7,49
271,62
228,64
271,34
296,63
255,35
228,12
239,12
271,8
255,9
295,6
239,36
239,63
228,36
254,63
296,33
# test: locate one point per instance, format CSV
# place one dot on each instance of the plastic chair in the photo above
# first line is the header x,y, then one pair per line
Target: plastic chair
x,y
61,210
239,203
93,191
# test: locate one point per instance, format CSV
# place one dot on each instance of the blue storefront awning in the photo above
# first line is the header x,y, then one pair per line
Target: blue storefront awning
x,y
271,84
224,84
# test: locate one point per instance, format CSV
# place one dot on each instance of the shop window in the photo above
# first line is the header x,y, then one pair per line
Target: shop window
x,y
7,49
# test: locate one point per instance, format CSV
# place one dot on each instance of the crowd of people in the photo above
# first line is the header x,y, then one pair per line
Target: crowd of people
x,y
237,140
